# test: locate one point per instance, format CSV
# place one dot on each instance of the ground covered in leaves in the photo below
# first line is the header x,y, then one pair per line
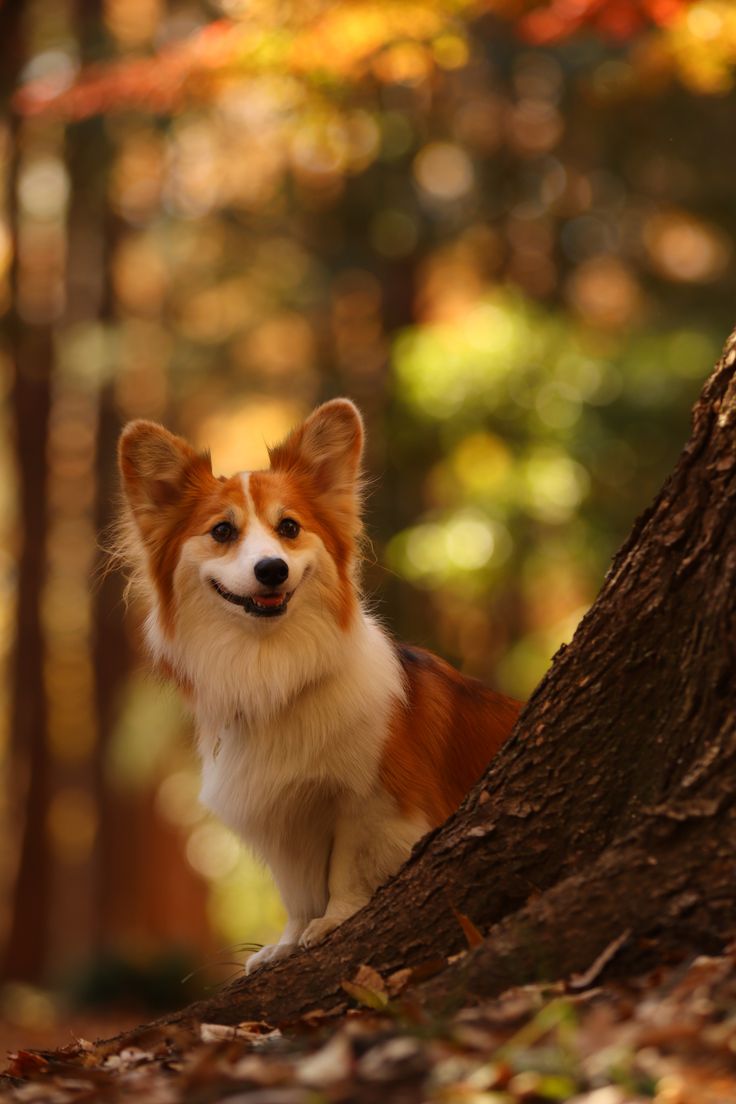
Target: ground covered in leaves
x,y
669,1036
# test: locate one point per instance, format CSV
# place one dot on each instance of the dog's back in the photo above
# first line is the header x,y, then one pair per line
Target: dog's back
x,y
442,737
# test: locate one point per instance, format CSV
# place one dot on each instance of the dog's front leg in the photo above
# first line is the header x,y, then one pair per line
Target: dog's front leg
x,y
299,868
347,886
372,840
287,944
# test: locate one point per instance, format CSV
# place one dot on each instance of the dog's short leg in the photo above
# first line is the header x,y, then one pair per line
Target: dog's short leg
x,y
300,872
371,842
347,893
286,945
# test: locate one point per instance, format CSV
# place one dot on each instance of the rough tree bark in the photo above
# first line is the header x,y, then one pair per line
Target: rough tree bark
x,y
609,818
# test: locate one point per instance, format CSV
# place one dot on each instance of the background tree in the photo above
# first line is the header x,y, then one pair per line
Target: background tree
x,y
27,756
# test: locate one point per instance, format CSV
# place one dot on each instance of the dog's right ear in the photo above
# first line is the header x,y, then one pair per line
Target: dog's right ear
x,y
155,466
327,448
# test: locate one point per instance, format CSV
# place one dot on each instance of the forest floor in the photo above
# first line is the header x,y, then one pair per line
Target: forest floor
x,y
667,1036
51,1026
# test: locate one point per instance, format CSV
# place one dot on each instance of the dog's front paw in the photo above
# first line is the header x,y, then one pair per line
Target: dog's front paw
x,y
317,929
272,952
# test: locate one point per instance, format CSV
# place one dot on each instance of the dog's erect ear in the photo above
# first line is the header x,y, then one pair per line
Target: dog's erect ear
x,y
327,447
155,466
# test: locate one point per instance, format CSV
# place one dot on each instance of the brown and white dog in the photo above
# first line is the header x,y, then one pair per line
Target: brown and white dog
x,y
325,746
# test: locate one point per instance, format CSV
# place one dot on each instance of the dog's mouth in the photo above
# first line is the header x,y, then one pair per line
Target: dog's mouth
x,y
259,605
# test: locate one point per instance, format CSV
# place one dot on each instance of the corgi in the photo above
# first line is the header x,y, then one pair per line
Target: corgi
x,y
326,746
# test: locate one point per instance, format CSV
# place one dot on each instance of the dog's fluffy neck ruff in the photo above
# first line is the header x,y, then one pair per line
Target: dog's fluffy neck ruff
x,y
307,671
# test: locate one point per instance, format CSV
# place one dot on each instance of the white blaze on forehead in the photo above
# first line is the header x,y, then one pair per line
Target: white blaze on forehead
x,y
259,541
235,570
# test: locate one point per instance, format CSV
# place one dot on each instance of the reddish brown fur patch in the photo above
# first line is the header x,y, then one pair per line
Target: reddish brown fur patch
x,y
203,502
169,673
443,738
326,448
322,456
319,464
315,472
173,496
294,493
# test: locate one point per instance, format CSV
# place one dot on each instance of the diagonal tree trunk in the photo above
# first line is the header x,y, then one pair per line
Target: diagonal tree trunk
x,y
611,813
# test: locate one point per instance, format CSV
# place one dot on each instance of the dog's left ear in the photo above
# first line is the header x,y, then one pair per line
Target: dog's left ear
x,y
327,447
156,467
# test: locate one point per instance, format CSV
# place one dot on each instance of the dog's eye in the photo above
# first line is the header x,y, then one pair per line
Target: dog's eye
x,y
223,532
288,528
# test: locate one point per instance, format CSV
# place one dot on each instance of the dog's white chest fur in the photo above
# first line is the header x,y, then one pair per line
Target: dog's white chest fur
x,y
266,774
302,788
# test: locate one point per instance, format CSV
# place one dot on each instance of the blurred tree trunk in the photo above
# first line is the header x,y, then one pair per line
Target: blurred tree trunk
x,y
94,233
76,878
29,759
112,664
32,352
607,824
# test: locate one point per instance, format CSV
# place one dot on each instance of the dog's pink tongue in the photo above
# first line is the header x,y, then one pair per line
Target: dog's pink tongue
x,y
269,599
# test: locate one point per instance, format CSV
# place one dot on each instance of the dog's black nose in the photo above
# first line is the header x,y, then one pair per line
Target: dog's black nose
x,y
271,571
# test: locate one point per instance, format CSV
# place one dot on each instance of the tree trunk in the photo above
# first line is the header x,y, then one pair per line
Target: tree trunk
x,y
24,955
609,818
31,348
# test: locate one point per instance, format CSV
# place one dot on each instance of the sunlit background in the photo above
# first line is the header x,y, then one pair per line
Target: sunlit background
x,y
504,229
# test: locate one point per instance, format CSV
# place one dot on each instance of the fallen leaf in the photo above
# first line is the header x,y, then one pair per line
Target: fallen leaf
x,y
365,996
215,1033
366,975
393,1060
397,982
368,988
427,969
262,1071
250,1028
473,937
26,1063
316,1017
329,1065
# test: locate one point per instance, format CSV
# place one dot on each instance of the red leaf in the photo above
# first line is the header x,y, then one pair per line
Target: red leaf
x,y
473,937
25,1064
